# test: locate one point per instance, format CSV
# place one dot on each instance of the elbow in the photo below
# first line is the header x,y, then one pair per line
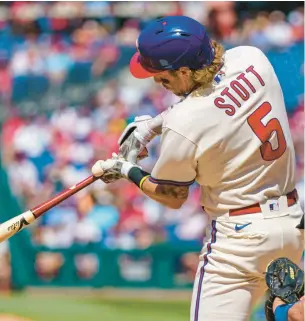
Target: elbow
x,y
176,204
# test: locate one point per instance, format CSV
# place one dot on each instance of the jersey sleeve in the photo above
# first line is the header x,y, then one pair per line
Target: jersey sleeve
x,y
177,162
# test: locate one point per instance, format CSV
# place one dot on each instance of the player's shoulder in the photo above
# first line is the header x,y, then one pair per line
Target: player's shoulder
x,y
191,117
238,59
244,54
242,51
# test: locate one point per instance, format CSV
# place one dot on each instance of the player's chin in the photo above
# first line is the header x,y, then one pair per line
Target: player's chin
x,y
179,93
175,92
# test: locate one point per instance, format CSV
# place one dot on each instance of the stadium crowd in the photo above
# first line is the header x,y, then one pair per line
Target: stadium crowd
x,y
47,152
48,39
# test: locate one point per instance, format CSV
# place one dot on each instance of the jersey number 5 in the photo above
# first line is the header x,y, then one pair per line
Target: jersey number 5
x,y
265,132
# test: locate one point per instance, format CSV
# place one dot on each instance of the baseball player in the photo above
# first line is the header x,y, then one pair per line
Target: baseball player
x,y
229,133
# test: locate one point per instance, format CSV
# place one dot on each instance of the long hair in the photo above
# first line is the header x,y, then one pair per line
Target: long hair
x,y
204,77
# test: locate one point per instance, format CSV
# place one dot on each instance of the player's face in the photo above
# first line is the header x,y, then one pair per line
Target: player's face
x,y
178,82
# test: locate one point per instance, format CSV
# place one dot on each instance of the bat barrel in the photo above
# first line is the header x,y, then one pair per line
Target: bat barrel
x,y
15,224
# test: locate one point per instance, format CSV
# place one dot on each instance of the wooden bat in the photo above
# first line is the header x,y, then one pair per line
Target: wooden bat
x,y
17,223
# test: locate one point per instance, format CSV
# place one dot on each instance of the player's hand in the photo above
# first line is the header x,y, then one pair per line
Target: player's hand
x,y
135,137
143,130
112,169
285,281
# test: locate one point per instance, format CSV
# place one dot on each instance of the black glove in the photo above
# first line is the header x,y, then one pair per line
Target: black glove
x,y
285,280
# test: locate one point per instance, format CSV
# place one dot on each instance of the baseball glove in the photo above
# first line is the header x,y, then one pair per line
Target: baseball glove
x,y
285,280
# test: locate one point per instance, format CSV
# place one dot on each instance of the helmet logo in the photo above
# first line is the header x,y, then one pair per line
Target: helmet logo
x,y
163,62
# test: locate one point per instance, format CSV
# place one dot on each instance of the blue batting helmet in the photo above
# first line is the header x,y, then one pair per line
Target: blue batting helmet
x,y
170,43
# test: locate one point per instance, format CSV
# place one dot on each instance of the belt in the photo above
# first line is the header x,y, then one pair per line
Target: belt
x,y
292,198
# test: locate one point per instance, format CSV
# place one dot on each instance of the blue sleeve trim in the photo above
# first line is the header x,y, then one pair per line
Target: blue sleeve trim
x,y
281,312
164,182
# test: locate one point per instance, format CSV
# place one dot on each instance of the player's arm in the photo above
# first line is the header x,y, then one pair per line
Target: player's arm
x,y
171,177
174,171
168,195
289,312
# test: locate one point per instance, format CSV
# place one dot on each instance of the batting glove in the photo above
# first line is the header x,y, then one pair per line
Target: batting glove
x,y
142,130
112,169
137,135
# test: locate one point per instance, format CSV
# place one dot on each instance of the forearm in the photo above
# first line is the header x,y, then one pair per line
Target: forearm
x,y
167,195
296,313
157,194
291,313
112,169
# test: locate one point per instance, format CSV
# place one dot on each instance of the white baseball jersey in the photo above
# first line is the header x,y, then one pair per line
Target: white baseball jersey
x,y
234,140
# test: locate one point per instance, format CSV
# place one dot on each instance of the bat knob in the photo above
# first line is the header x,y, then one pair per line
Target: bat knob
x,y
97,169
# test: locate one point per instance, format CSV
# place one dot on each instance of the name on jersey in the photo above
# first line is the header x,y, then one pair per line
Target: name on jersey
x,y
239,91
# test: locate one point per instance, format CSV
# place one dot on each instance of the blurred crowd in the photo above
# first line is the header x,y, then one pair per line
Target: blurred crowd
x,y
45,153
44,43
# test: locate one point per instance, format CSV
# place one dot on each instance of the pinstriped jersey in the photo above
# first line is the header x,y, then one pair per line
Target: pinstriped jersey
x,y
233,140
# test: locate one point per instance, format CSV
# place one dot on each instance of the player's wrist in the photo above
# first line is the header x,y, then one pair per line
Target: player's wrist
x,y
137,176
126,167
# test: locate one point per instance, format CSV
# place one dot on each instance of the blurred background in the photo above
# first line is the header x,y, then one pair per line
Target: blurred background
x,y
66,95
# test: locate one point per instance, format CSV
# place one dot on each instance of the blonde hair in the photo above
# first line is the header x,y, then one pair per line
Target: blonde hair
x,y
205,76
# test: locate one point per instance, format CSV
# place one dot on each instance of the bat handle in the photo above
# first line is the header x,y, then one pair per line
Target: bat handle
x,y
42,208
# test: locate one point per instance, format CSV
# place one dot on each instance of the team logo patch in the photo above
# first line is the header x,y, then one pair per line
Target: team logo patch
x,y
274,206
163,62
219,77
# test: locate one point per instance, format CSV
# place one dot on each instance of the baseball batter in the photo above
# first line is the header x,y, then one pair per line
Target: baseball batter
x,y
230,134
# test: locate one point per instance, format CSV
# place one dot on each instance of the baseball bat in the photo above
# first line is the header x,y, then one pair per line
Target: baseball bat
x,y
17,223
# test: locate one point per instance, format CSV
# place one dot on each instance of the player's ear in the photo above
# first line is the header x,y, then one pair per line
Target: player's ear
x,y
185,71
